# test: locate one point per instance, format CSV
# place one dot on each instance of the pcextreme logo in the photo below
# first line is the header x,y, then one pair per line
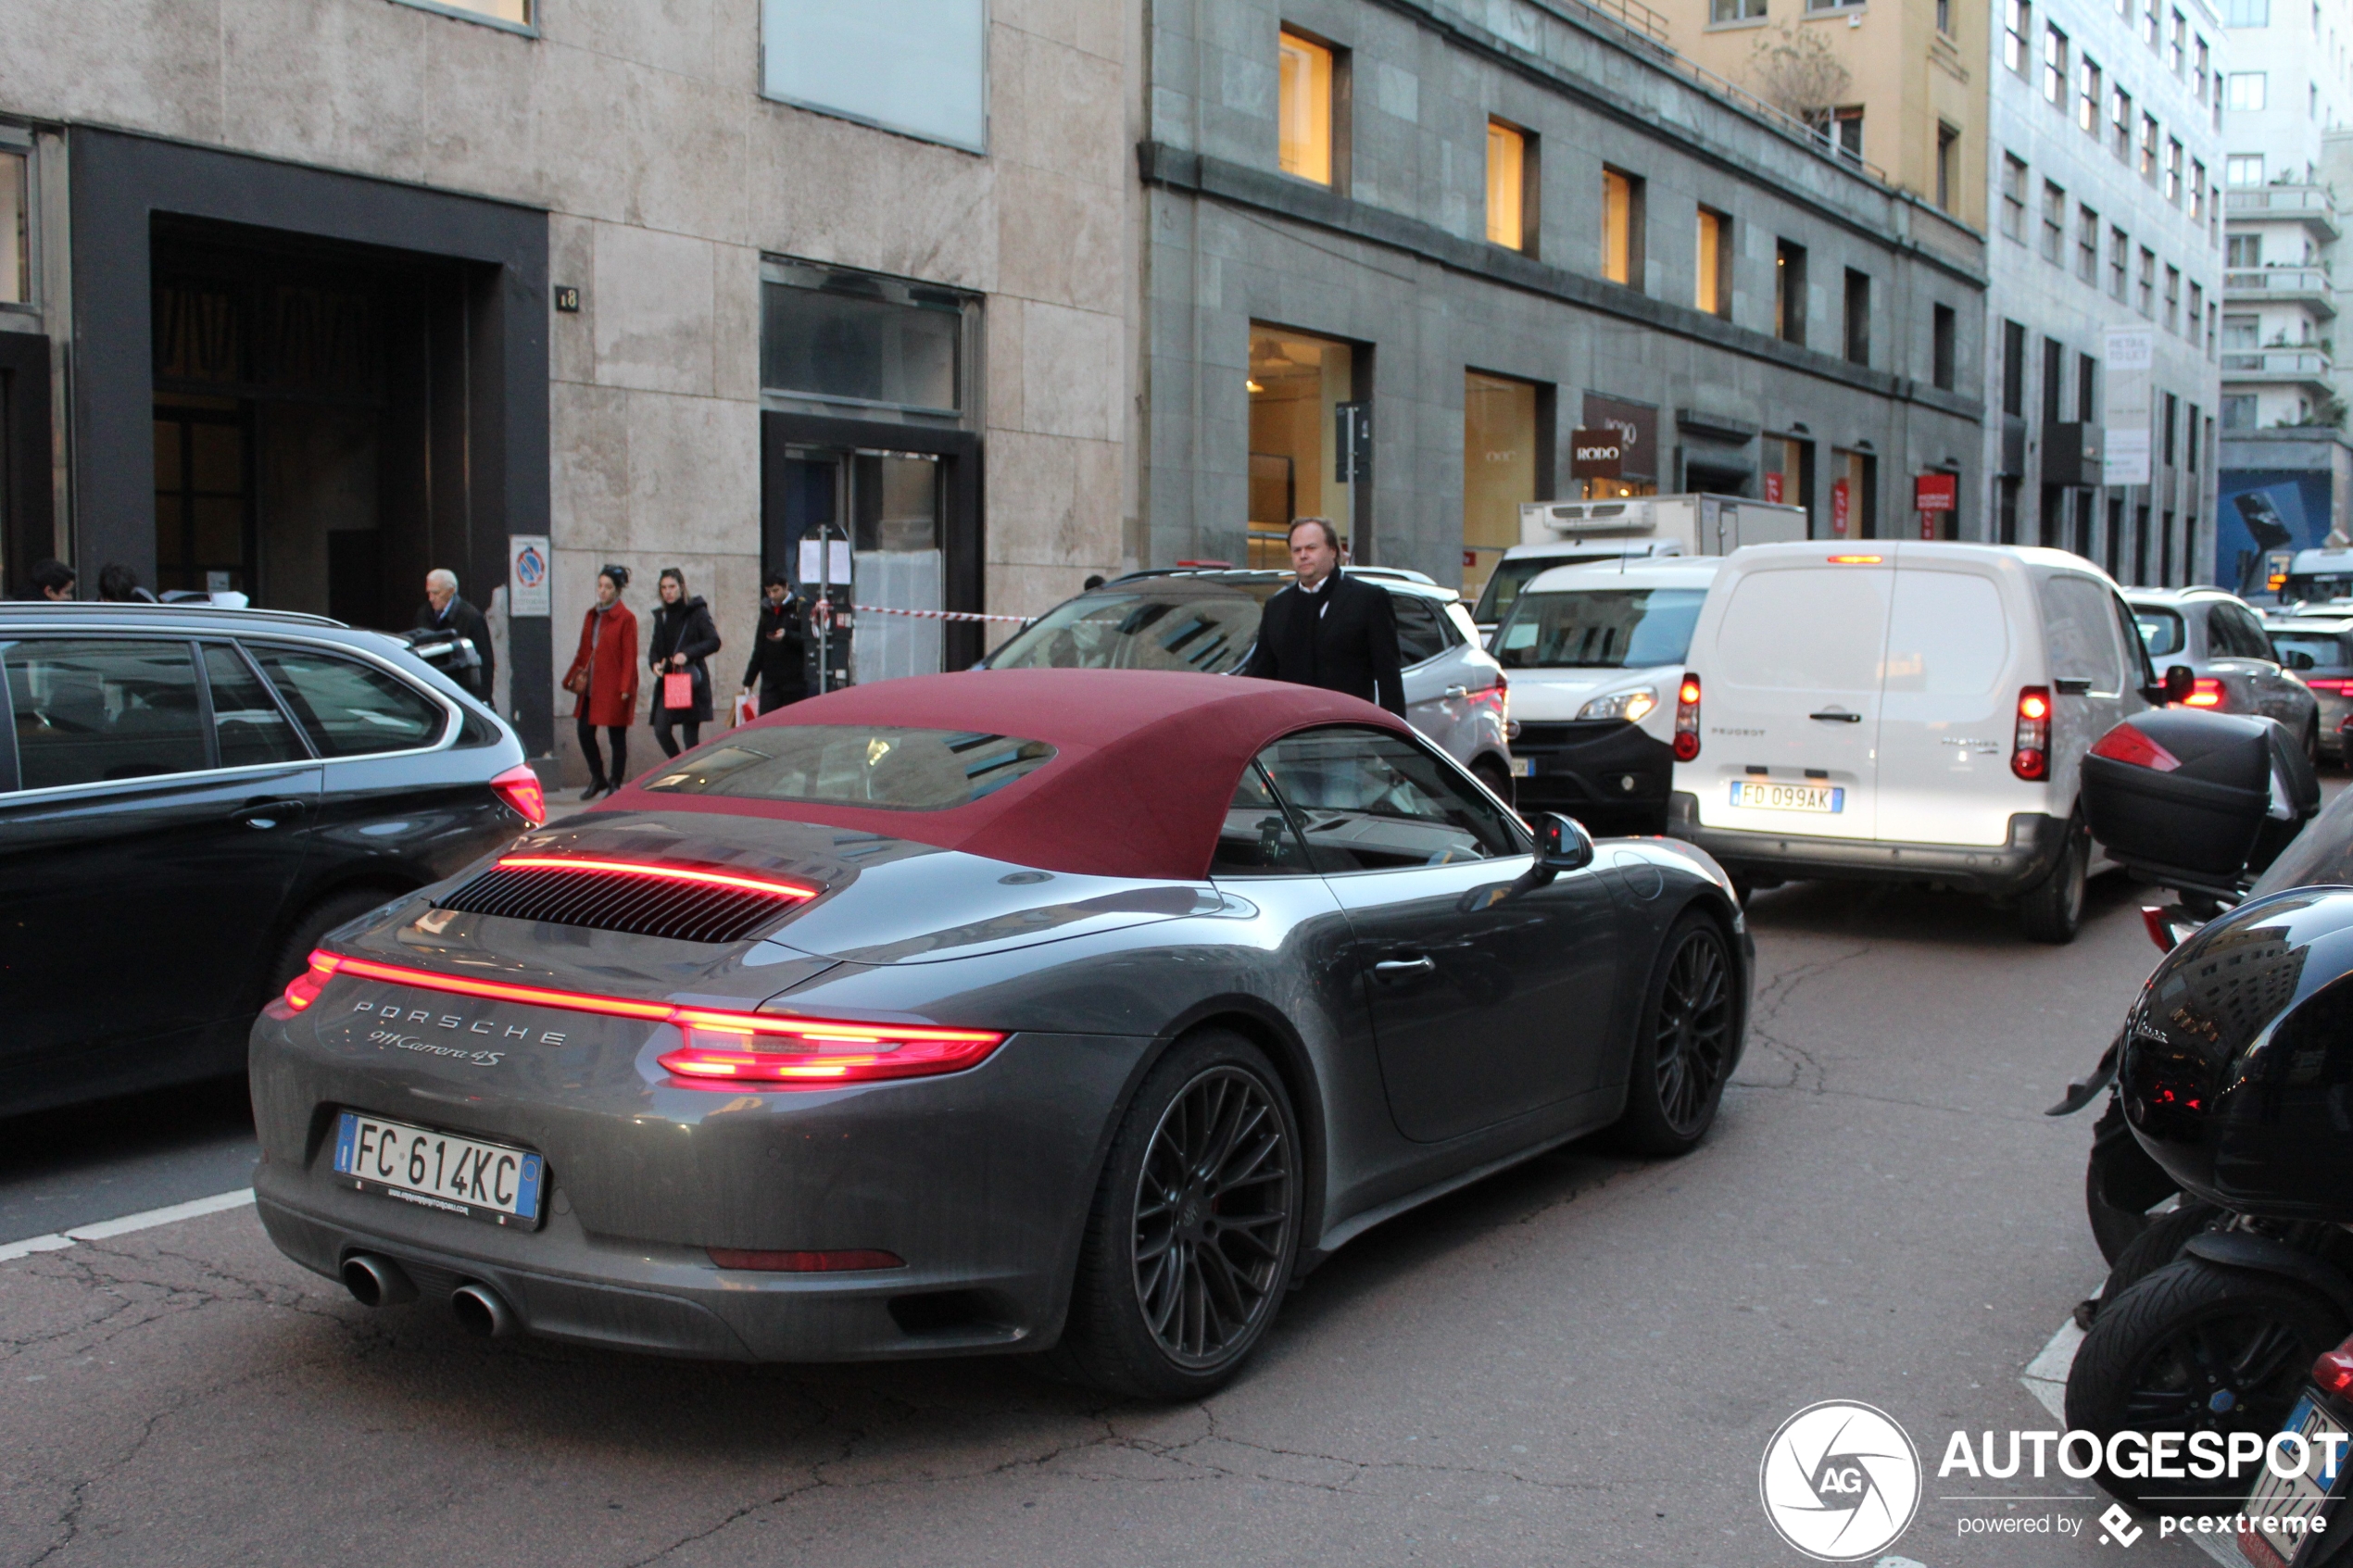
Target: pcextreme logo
x,y
1839,1481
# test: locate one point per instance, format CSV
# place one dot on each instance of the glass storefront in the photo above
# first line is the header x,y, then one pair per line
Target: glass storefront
x,y
1296,384
1501,444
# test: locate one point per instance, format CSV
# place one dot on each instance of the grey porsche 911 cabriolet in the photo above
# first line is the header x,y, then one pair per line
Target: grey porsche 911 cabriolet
x,y
1075,1011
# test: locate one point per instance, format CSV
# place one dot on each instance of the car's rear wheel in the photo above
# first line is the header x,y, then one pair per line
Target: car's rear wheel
x,y
1194,1229
2052,910
1683,1049
294,954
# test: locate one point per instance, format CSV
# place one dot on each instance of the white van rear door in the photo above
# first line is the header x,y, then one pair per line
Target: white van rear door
x,y
1949,706
1789,699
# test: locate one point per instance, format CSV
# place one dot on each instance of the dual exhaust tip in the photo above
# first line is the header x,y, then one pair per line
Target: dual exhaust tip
x,y
376,1281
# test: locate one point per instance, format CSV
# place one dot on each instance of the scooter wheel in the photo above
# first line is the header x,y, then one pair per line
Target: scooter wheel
x,y
2154,1248
2196,1348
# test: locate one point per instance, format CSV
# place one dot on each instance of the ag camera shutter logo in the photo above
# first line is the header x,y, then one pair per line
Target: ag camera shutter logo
x,y
1839,1481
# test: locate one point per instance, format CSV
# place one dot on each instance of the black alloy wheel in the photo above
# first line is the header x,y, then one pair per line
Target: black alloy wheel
x,y
1683,1051
1212,1215
2196,1348
1194,1230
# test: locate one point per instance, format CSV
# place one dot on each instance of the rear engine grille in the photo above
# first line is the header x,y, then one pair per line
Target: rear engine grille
x,y
641,904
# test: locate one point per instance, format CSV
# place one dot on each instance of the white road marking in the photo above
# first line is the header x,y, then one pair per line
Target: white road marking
x,y
2045,1378
126,1225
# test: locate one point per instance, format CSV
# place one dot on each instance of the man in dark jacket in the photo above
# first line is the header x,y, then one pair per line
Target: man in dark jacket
x,y
1328,629
779,649
445,612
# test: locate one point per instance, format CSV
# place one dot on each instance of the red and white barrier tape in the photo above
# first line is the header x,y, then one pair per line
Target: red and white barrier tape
x,y
940,614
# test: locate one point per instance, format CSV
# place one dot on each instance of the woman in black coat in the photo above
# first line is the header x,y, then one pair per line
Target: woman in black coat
x,y
683,637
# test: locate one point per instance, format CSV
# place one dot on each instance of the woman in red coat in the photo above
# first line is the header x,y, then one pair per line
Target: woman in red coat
x,y
604,677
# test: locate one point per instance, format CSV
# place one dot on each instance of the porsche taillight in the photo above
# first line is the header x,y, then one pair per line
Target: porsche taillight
x,y
2031,741
304,988
520,788
1686,718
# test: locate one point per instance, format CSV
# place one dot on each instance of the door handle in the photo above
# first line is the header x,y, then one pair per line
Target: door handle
x,y
2072,685
265,814
1837,716
1397,969
1455,693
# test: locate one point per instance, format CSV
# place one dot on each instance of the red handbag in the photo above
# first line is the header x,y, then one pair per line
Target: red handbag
x,y
678,690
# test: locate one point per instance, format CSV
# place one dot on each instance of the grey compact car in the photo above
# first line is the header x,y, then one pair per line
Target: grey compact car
x,y
993,1011
1205,620
2225,647
2319,649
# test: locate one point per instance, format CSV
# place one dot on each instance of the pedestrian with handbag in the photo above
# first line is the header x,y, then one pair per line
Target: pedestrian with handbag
x,y
683,637
603,678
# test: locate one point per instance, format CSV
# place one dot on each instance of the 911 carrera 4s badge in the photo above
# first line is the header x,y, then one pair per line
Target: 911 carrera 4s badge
x,y
440,1170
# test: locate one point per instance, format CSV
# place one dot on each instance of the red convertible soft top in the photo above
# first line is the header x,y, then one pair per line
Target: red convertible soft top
x,y
1145,762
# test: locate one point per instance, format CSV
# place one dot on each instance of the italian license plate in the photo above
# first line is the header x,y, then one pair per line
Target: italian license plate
x,y
2278,1500
1523,767
1762,794
439,1171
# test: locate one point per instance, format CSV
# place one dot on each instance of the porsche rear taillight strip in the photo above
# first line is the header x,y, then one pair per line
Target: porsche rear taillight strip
x,y
722,1045
658,873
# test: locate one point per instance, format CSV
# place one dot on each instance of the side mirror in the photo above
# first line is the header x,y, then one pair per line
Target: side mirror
x,y
2180,681
1562,843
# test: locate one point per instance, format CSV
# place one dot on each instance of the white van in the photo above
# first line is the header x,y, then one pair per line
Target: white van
x,y
1903,711
1594,653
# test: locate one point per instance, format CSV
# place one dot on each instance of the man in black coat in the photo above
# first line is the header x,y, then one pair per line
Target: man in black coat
x,y
445,612
779,649
1328,628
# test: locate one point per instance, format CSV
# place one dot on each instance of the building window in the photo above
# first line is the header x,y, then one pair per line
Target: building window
x,y
2201,63
1945,16
1504,439
2148,282
514,13
2016,16
2120,122
1296,385
2197,312
2054,65
2054,379
2312,100
2148,148
1713,256
2190,431
2246,92
1622,228
2013,197
2172,299
2246,13
15,230
2172,170
1944,332
2119,258
853,344
2241,334
1858,317
1511,185
1303,111
1735,10
1840,131
2198,191
2149,24
2243,250
918,66
1789,292
2244,168
2087,377
1948,166
2238,411
2054,223
2014,368
2087,95
2177,44
2087,246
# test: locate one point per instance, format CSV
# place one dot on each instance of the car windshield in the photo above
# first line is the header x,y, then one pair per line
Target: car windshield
x,y
2160,630
1157,624
1513,573
2326,650
857,765
1599,629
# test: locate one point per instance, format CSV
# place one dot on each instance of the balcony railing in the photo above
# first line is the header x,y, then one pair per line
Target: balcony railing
x,y
2277,364
2312,204
2278,279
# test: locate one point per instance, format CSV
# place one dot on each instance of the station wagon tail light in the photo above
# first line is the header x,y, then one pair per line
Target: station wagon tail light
x,y
520,788
720,1045
2127,744
304,988
2204,692
2337,685
1686,718
2031,743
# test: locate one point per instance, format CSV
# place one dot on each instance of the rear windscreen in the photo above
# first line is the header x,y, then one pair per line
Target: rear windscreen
x,y
1204,629
2326,650
857,765
1809,628
1599,629
2160,631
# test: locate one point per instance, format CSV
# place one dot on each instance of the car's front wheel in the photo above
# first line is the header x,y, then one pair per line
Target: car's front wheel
x,y
1194,1229
1683,1052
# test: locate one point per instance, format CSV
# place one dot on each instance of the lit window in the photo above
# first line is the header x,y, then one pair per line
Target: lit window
x,y
2119,121
1306,109
2087,95
2015,15
1714,293
1621,228
16,227
1507,186
517,12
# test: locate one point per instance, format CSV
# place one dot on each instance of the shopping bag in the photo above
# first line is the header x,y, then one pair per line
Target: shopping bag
x,y
746,709
678,691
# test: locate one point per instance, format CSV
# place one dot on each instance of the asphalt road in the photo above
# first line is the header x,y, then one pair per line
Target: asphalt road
x,y
1579,1361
